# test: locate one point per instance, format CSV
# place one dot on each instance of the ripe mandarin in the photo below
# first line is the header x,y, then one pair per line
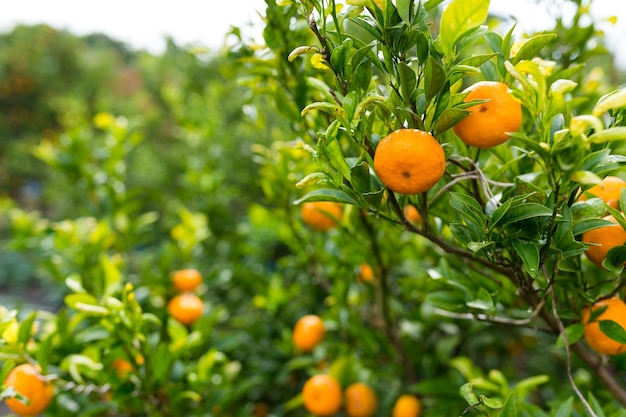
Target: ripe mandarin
x,y
360,400
609,190
321,215
407,405
186,308
186,279
308,332
27,380
322,395
596,339
491,122
605,238
409,161
365,273
412,214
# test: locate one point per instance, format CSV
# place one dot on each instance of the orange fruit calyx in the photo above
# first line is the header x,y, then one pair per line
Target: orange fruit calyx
x,y
489,123
409,161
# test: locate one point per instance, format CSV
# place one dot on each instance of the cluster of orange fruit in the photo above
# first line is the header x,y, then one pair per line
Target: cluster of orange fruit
x,y
411,161
602,240
322,394
186,307
28,381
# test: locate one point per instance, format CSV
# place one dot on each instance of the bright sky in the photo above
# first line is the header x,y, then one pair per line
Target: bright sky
x,y
143,23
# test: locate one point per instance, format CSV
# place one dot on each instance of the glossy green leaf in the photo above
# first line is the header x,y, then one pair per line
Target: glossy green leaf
x,y
522,212
458,18
326,194
529,254
533,46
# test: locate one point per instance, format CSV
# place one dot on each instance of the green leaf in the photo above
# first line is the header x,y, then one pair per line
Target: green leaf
x,y
483,301
615,259
612,100
595,405
523,388
408,80
26,328
613,330
86,303
590,224
326,194
467,392
533,46
434,78
522,212
360,174
565,409
609,135
458,18
469,208
112,275
510,406
449,117
573,333
529,254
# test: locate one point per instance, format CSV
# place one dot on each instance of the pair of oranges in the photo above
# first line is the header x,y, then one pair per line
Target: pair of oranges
x,y
603,239
186,307
411,161
322,396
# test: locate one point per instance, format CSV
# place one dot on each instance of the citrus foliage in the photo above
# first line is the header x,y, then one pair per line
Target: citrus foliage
x,y
472,295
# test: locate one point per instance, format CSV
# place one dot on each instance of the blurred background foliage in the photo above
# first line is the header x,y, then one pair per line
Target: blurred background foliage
x,y
121,159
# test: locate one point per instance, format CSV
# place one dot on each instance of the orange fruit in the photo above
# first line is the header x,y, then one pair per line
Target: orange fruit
x,y
596,339
606,237
407,405
366,273
186,279
122,367
308,332
28,381
409,161
412,214
186,308
609,190
361,400
322,395
321,215
489,123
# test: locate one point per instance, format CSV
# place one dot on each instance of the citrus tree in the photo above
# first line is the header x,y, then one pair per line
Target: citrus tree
x,y
426,221
507,148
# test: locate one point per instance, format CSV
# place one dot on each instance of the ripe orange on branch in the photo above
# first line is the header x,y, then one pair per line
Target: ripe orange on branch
x,y
322,395
596,339
609,190
409,161
321,215
407,405
605,238
186,308
308,332
489,123
28,381
186,279
361,400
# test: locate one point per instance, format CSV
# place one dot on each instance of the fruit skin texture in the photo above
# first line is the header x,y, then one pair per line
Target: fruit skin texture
x,y
361,400
308,332
489,123
321,215
608,189
26,380
186,308
409,161
186,279
598,341
407,405
322,395
607,237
